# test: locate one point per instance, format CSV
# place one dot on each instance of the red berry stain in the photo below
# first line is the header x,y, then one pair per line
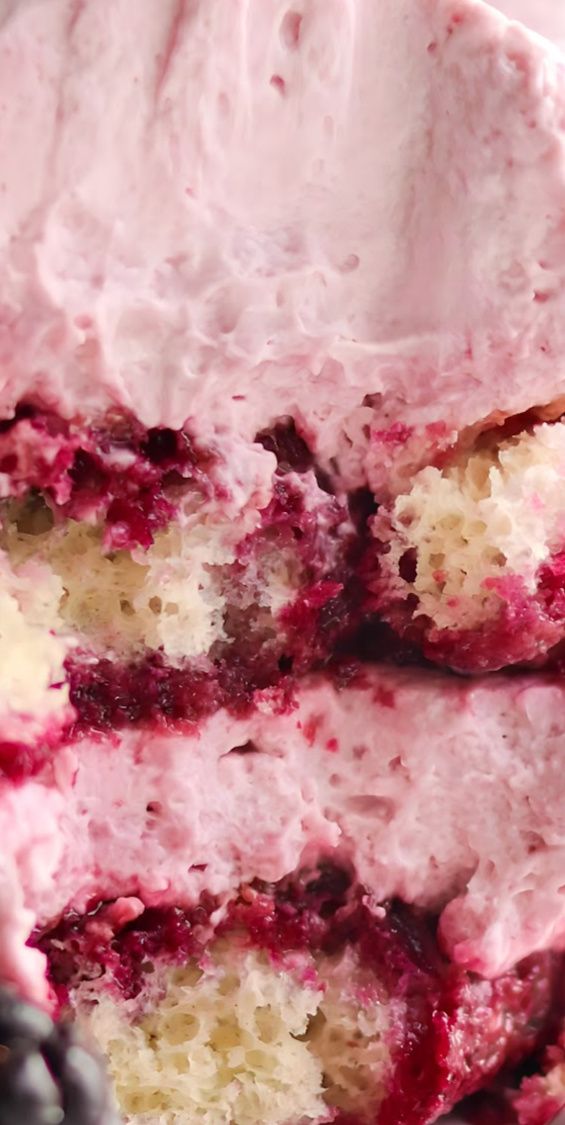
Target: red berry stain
x,y
116,470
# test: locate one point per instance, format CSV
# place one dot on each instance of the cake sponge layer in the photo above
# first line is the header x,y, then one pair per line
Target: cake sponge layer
x,y
305,994
241,1039
471,557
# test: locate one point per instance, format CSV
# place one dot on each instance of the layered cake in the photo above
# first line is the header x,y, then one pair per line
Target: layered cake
x,y
282,545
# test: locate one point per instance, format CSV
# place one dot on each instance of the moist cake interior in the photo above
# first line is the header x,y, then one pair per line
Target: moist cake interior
x,y
282,562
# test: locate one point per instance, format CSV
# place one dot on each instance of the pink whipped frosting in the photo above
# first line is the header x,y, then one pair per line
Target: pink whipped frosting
x,y
231,211
444,792
546,17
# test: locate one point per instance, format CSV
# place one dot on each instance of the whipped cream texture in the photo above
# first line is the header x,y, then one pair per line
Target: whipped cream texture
x,y
342,199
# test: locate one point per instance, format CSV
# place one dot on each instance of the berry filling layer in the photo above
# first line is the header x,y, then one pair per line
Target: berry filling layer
x,y
142,589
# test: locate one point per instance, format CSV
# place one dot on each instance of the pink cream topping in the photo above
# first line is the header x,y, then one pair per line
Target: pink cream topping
x,y
177,263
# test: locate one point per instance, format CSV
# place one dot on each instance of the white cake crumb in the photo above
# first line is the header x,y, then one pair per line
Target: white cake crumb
x,y
31,656
174,596
163,597
241,1041
496,512
350,1036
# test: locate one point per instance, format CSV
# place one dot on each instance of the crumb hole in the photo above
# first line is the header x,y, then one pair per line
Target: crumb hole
x,y
350,264
34,517
248,747
381,808
290,30
278,83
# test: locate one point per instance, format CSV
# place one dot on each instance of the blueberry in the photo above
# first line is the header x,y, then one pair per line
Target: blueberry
x,y
85,1096
20,1020
48,1076
28,1091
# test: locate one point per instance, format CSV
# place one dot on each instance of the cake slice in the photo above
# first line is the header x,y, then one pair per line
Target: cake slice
x,y
282,547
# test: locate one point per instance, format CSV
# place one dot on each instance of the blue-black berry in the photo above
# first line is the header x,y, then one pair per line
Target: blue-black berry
x,y
47,1074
